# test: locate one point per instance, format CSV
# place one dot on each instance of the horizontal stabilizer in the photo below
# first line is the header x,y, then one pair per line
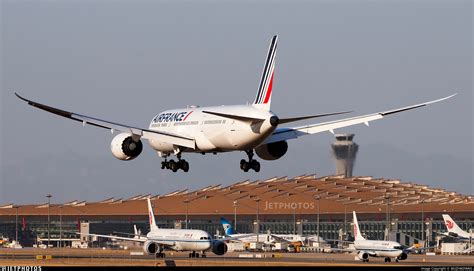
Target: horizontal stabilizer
x,y
236,117
287,120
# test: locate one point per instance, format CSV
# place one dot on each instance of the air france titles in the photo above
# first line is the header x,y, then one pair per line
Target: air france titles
x,y
288,205
163,119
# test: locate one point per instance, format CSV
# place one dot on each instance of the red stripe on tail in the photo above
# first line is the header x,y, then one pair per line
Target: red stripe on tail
x,y
269,91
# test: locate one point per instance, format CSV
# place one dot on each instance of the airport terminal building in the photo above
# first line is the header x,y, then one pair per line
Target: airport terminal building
x,y
402,211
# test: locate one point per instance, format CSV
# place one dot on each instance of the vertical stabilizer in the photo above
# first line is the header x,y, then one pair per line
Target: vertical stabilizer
x,y
453,227
357,235
151,217
264,94
228,229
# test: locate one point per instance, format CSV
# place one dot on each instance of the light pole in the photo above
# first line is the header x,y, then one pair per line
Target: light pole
x,y
187,203
60,226
258,222
387,197
49,203
16,225
235,215
345,219
294,221
422,223
317,226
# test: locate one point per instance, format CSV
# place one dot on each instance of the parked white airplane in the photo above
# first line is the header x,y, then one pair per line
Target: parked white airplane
x,y
157,240
266,238
375,248
454,230
220,128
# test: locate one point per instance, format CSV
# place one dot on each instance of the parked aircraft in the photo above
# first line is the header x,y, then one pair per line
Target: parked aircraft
x,y
249,128
374,248
454,231
267,238
158,240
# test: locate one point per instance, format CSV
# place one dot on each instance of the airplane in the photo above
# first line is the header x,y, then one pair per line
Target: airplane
x,y
216,129
157,240
374,248
267,238
454,231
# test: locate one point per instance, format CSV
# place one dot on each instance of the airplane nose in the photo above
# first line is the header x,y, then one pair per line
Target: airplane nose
x,y
274,120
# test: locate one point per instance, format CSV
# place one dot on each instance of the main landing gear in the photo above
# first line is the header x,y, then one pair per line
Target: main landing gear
x,y
160,255
251,164
175,165
194,254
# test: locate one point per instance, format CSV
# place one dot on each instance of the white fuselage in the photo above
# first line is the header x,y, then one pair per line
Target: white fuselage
x,y
183,240
213,133
268,238
379,248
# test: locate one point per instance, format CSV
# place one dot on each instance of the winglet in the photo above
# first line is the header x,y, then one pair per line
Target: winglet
x,y
385,113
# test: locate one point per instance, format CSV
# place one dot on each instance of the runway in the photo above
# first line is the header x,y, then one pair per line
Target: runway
x,y
99,257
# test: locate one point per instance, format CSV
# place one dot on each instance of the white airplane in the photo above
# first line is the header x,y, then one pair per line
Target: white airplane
x,y
266,238
375,248
220,128
157,240
454,231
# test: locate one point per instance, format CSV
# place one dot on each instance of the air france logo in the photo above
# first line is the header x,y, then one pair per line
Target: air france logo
x,y
172,117
449,224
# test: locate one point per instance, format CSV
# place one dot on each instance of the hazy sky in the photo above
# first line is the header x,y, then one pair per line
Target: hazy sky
x,y
126,61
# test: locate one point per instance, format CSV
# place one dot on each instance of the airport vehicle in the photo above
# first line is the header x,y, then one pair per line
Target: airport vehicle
x,y
454,231
157,240
374,248
215,129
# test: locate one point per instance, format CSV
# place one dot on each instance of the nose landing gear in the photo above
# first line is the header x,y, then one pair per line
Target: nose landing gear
x,y
251,164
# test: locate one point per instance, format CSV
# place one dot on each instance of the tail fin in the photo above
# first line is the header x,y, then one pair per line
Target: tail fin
x,y
135,231
151,217
228,229
452,226
357,235
264,94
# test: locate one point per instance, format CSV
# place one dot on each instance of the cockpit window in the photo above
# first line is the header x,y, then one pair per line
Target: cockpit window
x,y
204,238
398,247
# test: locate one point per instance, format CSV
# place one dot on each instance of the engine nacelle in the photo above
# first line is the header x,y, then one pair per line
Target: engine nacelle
x,y
272,151
402,256
363,255
219,248
150,247
123,147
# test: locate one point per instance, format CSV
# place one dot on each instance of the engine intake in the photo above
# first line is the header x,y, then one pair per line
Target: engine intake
x,y
150,247
123,147
219,248
272,151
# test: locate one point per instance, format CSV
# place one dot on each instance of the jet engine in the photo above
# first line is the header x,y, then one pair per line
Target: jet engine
x,y
272,151
150,247
363,255
123,147
219,248
402,256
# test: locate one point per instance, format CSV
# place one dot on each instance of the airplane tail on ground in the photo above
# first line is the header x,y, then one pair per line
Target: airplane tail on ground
x,y
151,217
264,94
228,229
452,226
357,235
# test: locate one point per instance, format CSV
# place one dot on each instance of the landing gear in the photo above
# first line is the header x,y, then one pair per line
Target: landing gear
x,y
251,164
387,260
365,260
160,255
175,165
194,254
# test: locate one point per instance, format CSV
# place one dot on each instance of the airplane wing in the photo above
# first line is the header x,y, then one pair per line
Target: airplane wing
x,y
281,134
140,132
161,242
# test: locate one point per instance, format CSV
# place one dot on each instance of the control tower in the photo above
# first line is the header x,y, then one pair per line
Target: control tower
x,y
344,151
